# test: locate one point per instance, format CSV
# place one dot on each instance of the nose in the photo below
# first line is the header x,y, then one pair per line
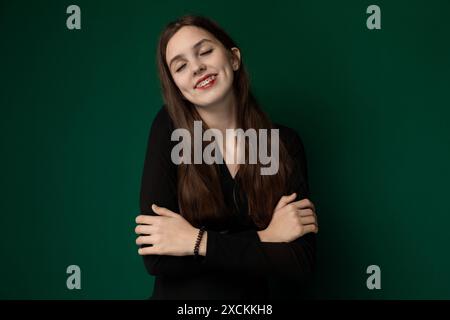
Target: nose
x,y
199,69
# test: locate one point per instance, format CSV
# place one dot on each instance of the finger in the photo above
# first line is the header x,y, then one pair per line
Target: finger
x,y
310,228
146,219
304,204
148,250
145,240
308,220
144,229
284,200
306,212
163,211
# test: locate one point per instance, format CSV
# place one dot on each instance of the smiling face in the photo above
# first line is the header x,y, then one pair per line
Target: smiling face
x,y
193,54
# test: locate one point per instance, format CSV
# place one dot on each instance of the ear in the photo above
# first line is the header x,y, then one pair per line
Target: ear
x,y
235,58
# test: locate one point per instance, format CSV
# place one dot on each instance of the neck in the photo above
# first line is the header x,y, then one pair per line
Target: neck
x,y
220,115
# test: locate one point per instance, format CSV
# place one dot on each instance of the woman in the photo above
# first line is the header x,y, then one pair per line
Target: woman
x,y
221,230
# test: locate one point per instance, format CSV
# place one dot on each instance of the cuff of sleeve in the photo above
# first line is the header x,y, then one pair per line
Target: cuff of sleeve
x,y
214,255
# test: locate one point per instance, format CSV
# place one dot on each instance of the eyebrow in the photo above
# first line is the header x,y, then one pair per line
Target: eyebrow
x,y
198,44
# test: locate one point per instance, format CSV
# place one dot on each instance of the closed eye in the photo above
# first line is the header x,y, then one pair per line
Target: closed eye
x,y
206,52
181,68
202,54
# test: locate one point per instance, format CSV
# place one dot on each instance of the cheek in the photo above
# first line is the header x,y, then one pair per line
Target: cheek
x,y
225,66
182,83
224,61
228,73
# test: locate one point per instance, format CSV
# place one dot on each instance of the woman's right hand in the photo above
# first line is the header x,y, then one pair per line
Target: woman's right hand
x,y
290,220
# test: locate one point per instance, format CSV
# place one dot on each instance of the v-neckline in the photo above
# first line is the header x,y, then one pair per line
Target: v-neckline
x,y
225,168
227,171
223,163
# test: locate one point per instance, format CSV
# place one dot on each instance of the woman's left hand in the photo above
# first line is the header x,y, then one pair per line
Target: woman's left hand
x,y
169,233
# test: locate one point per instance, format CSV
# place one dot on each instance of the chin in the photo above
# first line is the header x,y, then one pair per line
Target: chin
x,y
213,99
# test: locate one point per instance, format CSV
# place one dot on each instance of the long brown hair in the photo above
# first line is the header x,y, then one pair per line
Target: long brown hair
x,y
199,191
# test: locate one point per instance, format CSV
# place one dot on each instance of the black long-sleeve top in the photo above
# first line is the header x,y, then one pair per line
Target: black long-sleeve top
x,y
237,264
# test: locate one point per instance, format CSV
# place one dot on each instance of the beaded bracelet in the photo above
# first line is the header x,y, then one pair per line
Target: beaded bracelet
x,y
199,239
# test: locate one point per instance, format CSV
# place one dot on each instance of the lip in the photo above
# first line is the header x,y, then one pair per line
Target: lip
x,y
203,78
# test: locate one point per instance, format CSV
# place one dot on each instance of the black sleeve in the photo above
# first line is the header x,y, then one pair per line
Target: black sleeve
x,y
296,260
159,186
237,252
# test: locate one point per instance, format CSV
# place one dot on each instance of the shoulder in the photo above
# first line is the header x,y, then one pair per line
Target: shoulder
x,y
291,139
161,130
295,148
162,121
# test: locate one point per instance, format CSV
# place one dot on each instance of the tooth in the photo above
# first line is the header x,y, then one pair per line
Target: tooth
x,y
206,81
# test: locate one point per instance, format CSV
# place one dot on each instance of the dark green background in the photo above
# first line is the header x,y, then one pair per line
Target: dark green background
x,y
372,108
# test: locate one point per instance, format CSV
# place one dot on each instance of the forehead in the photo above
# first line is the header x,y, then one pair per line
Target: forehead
x,y
184,39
